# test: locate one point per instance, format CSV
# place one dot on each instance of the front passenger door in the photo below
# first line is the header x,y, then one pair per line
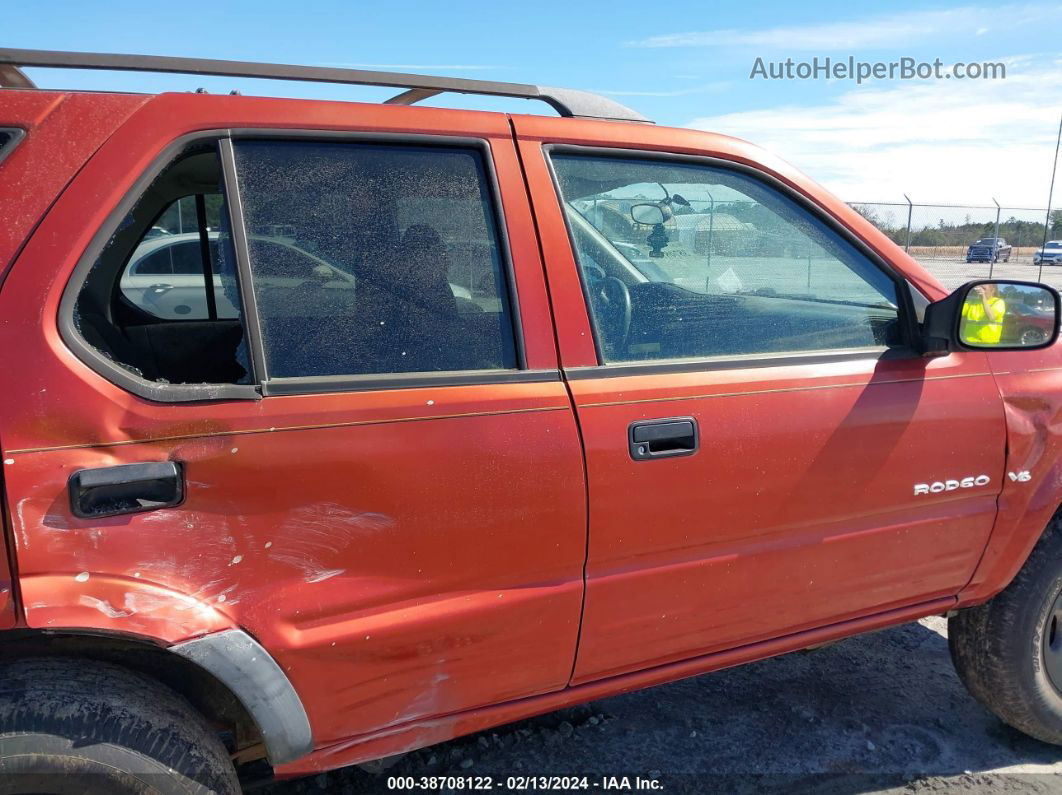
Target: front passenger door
x,y
756,417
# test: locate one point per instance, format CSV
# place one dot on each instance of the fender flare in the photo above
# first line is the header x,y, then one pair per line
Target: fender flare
x,y
243,665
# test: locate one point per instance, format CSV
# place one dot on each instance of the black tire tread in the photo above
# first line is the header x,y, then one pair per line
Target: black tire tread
x,y
105,703
996,646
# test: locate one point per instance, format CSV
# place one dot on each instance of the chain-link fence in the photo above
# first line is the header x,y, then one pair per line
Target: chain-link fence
x,y
954,241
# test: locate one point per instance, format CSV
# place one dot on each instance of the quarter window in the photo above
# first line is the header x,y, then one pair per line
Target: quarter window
x,y
9,138
682,260
371,258
145,303
165,276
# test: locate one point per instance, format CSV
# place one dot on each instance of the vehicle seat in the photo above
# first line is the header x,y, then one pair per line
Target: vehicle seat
x,y
95,326
404,314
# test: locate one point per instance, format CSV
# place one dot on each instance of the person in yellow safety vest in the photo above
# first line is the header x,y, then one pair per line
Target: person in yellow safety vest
x,y
982,316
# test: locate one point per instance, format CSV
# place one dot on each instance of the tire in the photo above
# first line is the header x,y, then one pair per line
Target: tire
x,y
1032,336
998,647
79,726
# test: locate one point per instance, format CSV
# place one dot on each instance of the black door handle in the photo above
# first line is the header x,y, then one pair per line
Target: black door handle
x,y
129,488
667,438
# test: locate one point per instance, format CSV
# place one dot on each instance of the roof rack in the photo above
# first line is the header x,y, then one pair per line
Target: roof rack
x,y
566,101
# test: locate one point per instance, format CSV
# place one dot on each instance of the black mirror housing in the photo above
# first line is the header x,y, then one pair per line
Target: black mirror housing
x,y
999,315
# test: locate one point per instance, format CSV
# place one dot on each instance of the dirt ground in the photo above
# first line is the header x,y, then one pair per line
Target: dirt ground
x,y
878,713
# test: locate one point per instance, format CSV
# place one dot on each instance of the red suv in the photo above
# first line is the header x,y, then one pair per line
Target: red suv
x,y
333,430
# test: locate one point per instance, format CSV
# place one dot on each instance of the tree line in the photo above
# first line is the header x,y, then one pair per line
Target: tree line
x,y
944,233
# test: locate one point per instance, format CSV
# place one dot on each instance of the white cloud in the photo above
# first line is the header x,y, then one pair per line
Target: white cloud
x,y
948,140
873,32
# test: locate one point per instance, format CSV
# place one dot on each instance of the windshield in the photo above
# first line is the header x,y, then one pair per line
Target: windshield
x,y
1054,244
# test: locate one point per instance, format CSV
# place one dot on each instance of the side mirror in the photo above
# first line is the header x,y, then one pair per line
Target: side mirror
x,y
650,214
993,315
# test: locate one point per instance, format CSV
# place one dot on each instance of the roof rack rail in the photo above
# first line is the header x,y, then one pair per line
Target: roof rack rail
x,y
566,101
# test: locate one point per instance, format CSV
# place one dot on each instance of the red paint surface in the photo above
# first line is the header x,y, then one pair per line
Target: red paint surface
x,y
1031,385
62,131
414,558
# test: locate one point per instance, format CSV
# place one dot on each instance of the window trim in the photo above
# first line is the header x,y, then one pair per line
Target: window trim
x,y
321,384
252,324
183,393
908,348
96,360
18,134
746,361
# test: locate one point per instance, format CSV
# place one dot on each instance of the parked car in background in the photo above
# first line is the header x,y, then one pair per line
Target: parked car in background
x,y
1050,254
1027,323
989,249
422,444
165,276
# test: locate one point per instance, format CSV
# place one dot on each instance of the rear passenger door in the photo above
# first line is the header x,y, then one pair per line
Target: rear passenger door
x,y
387,491
754,412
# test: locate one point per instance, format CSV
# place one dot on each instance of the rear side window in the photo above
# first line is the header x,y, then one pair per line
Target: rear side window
x,y
370,258
9,138
350,258
165,276
145,303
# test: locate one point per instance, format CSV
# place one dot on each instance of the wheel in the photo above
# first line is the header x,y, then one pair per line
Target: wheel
x,y
1008,651
79,726
1032,336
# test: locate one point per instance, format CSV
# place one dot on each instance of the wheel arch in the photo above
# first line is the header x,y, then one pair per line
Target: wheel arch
x,y
1008,552
1029,502
227,676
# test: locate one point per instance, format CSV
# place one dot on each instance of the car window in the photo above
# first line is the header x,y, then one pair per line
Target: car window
x,y
156,263
172,248
149,303
9,138
371,258
683,260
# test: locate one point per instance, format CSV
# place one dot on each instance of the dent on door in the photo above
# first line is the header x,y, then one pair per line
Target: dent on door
x,y
395,569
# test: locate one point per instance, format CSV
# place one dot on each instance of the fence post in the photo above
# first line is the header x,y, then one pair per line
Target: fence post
x,y
992,263
910,207
1050,196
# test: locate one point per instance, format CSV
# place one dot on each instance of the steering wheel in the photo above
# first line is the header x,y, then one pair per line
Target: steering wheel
x,y
613,301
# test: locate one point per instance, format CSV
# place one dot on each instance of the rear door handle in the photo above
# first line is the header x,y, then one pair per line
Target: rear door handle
x,y
129,488
666,438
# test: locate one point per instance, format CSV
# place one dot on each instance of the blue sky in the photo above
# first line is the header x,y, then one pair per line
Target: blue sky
x,y
681,63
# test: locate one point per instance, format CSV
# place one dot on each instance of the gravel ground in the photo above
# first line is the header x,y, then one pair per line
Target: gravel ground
x,y
878,713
